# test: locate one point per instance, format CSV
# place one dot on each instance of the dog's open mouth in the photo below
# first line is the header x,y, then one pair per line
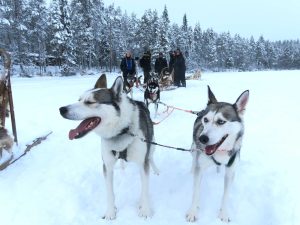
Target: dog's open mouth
x,y
211,149
84,127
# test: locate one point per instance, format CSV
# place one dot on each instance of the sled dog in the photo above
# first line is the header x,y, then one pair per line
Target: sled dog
x,y
166,77
130,82
6,141
217,136
122,124
152,92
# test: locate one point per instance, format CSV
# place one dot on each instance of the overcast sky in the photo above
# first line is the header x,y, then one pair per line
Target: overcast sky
x,y
274,19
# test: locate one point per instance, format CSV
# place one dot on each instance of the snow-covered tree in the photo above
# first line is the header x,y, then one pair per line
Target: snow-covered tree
x,y
209,48
82,32
261,53
60,32
164,31
36,23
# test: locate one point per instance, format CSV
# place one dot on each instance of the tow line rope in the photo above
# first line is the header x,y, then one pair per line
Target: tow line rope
x,y
168,114
184,110
161,145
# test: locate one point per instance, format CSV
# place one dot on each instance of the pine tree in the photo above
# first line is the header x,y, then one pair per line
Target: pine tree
x,y
60,31
82,32
196,59
261,54
209,49
5,23
36,32
163,32
224,49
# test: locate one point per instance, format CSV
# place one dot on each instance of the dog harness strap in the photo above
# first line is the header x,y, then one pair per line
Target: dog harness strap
x,y
215,161
123,131
120,155
230,161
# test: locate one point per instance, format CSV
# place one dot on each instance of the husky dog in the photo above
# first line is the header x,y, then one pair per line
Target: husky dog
x,y
122,124
6,141
152,92
130,82
166,77
217,135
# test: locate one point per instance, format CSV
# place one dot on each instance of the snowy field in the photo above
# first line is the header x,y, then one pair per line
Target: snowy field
x,y
60,182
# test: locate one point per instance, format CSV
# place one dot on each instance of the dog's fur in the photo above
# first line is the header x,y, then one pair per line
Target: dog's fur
x,y
152,92
217,136
6,141
129,84
196,75
166,77
121,123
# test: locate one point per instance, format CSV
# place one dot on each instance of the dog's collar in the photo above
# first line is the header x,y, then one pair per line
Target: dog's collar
x,y
230,161
123,131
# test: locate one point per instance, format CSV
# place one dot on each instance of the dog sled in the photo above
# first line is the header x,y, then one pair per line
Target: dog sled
x,y
7,142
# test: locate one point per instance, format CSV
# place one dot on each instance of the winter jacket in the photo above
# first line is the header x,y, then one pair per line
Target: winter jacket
x,y
171,62
145,62
160,63
128,66
179,71
179,64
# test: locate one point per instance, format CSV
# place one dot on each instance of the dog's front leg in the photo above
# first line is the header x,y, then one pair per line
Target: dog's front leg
x,y
228,180
131,94
192,213
156,108
108,174
144,208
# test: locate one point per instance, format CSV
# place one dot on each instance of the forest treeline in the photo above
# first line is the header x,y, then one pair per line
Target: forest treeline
x,y
81,34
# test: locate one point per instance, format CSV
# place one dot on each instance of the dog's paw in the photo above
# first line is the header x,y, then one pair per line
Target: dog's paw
x,y
156,171
191,215
110,214
145,211
223,216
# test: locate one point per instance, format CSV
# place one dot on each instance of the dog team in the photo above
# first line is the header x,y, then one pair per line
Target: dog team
x,y
126,131
176,67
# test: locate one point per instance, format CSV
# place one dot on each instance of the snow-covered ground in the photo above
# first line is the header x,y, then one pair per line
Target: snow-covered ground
x,y
60,181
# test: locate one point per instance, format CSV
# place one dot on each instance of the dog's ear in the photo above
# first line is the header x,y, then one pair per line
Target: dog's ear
x,y
101,82
117,87
211,96
241,102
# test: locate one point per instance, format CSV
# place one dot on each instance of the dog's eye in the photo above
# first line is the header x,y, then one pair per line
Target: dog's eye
x,y
89,102
205,120
220,122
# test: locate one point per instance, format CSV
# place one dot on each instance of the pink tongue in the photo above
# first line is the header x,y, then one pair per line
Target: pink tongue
x,y
82,127
210,149
73,133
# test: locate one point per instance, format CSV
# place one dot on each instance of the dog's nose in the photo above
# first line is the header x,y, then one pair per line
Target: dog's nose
x,y
63,110
203,139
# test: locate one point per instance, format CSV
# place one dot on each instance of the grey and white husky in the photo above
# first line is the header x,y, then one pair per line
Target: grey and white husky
x,y
217,138
122,125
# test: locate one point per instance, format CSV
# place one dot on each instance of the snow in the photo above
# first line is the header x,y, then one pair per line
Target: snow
x,y
60,182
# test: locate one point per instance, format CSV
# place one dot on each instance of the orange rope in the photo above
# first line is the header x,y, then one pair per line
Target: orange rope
x,y
156,123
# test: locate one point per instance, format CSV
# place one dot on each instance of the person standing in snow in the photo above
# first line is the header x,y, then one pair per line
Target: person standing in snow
x,y
128,66
171,62
160,63
179,69
145,64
